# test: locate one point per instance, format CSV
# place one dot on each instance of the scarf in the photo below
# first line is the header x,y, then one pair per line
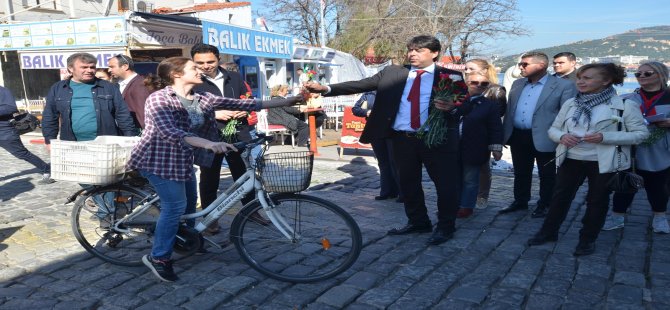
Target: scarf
x,y
585,102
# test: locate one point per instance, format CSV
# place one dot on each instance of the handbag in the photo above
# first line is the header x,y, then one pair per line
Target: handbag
x,y
24,122
625,181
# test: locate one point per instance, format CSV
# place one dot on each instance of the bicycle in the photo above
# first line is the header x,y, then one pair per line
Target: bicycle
x,y
309,238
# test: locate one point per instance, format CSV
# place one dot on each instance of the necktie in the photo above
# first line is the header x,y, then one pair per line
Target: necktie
x,y
413,98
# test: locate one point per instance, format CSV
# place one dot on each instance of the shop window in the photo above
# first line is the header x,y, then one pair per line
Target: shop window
x,y
42,4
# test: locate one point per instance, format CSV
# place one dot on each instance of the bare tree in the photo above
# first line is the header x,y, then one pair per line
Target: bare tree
x,y
302,18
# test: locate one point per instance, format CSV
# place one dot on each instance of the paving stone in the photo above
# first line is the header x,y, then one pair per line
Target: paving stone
x,y
474,295
363,280
625,294
634,279
207,300
295,298
544,301
587,268
155,305
518,280
339,296
552,286
233,285
379,297
75,305
508,296
455,304
590,283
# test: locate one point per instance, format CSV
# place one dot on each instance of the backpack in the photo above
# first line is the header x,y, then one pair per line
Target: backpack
x,y
24,122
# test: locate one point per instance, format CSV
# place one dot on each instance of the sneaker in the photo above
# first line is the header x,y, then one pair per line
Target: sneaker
x,y
46,179
660,224
613,222
161,268
482,203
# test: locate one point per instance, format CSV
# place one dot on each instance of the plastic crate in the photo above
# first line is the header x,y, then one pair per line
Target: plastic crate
x,y
101,161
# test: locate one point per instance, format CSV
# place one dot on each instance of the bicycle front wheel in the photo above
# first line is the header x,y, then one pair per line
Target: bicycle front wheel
x,y
94,219
320,240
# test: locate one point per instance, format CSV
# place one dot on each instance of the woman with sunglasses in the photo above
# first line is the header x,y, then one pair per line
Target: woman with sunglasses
x,y
591,145
164,155
498,95
481,134
652,156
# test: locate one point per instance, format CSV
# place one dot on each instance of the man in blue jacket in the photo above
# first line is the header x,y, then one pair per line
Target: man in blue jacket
x,y
84,107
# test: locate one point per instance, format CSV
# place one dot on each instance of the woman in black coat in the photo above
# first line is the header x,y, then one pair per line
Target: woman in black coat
x,y
481,133
288,116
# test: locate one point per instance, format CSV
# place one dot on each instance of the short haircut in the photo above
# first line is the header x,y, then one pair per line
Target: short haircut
x,y
202,48
125,60
537,56
83,57
425,41
570,56
613,72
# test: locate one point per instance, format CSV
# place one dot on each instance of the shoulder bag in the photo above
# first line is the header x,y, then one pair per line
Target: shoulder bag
x,y
625,181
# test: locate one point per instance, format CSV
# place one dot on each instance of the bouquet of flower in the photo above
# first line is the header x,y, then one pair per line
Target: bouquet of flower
x,y
228,133
310,74
449,88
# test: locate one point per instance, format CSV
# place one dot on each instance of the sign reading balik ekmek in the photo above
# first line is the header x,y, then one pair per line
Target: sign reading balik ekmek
x,y
247,42
58,59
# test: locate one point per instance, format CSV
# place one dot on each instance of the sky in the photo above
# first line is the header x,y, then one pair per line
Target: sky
x,y
565,21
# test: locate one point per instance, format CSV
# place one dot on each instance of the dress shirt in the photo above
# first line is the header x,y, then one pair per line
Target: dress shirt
x,y
126,81
217,80
525,107
403,118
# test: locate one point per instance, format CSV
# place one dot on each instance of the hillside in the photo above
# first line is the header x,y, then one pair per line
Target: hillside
x,y
651,41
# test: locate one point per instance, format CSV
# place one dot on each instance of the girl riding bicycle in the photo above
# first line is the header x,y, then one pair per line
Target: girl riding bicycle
x,y
164,154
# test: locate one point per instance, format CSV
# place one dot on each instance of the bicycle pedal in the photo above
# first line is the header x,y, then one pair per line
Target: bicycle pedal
x,y
213,243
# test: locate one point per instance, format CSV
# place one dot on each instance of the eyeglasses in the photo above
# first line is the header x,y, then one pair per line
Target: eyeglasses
x,y
524,64
478,83
644,74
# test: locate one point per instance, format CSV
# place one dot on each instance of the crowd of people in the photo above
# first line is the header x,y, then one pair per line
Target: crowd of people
x,y
571,125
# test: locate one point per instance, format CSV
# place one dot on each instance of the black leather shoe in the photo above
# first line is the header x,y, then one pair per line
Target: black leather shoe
x,y
400,200
542,238
439,236
539,212
515,206
384,197
585,248
410,229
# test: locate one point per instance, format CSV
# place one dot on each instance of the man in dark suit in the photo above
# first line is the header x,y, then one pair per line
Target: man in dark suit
x,y
534,102
565,64
131,85
403,100
220,82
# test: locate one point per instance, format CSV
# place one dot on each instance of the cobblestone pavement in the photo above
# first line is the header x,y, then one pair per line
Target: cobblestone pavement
x,y
486,266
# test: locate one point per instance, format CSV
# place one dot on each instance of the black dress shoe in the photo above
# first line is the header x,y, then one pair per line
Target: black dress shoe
x,y
384,197
439,236
542,238
410,229
585,248
400,200
515,206
539,212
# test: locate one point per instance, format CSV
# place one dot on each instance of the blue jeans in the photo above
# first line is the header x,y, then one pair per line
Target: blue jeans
x,y
177,198
470,186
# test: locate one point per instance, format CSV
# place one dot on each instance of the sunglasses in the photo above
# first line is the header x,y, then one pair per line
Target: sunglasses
x,y
644,74
478,83
524,64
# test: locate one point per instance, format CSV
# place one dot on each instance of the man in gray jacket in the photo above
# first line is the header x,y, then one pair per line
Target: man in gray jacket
x,y
534,102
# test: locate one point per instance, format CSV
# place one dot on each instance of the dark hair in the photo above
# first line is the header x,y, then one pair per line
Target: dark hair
x,y
570,56
537,56
202,48
164,72
125,60
425,41
614,73
83,57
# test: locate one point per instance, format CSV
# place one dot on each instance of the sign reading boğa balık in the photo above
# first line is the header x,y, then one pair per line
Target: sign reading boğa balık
x,y
248,42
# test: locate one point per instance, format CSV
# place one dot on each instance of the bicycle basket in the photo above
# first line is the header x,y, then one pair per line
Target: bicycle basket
x,y
288,172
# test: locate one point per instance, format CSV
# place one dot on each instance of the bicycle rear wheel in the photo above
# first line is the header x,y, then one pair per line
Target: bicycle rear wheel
x,y
324,239
94,216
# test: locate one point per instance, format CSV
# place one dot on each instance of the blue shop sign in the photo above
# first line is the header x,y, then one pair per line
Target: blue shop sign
x,y
247,42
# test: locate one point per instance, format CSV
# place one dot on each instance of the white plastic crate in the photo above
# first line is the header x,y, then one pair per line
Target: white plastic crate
x,y
100,161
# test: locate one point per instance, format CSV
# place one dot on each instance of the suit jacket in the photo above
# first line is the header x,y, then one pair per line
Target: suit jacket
x,y
135,95
389,84
553,95
481,128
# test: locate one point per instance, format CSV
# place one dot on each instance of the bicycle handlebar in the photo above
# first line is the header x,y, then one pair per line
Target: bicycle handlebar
x,y
262,138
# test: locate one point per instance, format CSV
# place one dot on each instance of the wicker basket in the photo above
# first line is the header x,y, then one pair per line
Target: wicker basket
x,y
288,172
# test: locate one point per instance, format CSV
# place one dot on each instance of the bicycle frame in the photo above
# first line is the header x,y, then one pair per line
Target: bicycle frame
x,y
248,182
